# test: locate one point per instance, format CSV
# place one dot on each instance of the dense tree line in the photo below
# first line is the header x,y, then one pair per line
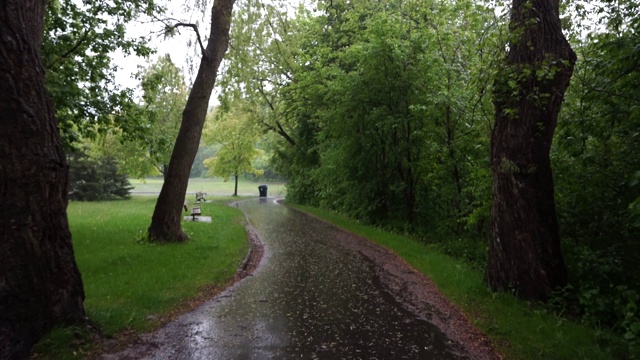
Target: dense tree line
x,y
385,109
596,158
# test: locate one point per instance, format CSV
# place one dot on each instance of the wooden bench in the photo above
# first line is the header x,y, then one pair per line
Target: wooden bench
x,y
201,196
196,211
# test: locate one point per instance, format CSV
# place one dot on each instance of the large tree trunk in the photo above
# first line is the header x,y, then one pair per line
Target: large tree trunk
x,y
40,285
165,223
524,248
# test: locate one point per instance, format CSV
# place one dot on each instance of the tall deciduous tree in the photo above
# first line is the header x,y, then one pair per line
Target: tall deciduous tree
x,y
40,285
165,223
524,251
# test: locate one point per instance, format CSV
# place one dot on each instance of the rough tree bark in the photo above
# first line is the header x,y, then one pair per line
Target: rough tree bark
x,y
524,247
40,285
165,223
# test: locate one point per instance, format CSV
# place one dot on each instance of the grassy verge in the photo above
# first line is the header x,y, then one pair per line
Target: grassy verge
x,y
131,284
517,329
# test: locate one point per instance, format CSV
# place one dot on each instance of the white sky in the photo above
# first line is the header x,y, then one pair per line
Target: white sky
x,y
176,46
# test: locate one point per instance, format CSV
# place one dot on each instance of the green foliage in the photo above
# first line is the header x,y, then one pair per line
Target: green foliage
x,y
78,40
95,179
381,108
237,139
596,157
163,100
298,164
204,152
387,115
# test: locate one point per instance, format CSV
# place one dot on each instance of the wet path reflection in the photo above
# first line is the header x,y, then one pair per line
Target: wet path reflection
x,y
311,299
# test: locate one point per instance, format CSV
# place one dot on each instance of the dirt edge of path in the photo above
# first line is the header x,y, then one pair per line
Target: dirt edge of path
x,y
128,338
417,293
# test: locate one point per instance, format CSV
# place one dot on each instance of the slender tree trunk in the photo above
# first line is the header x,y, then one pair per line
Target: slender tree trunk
x,y
40,285
165,223
235,190
524,249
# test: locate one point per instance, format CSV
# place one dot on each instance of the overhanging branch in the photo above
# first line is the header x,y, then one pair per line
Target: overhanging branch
x,y
195,28
169,27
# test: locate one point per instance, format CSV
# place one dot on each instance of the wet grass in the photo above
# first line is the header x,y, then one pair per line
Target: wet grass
x,y
211,186
130,283
517,329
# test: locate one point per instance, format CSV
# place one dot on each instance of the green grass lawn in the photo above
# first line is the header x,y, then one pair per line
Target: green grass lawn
x,y
517,329
130,283
212,186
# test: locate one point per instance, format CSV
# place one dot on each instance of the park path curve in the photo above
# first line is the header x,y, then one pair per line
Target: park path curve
x,y
318,293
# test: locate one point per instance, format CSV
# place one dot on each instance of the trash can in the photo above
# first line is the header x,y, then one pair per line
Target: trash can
x,y
263,190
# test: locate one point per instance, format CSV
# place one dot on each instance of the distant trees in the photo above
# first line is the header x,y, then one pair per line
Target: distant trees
x,y
40,285
381,107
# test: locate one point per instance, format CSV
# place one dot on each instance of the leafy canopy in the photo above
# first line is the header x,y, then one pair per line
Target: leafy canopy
x,y
78,40
237,138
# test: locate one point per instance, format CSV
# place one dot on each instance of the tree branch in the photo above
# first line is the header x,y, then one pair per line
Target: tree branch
x,y
195,28
73,49
284,134
169,27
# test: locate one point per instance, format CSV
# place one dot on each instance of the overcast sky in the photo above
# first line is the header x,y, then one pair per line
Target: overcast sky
x,y
176,46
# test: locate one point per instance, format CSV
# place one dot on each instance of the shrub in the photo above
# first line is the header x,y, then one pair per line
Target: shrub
x,y
93,179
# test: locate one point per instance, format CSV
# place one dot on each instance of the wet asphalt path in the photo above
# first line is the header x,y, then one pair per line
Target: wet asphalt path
x,y
310,299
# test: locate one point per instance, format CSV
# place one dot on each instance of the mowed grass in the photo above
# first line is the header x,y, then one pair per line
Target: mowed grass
x,y
212,186
129,282
517,329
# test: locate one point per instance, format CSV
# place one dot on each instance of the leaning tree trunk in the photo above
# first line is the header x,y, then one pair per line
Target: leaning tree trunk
x,y
524,248
165,223
40,285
